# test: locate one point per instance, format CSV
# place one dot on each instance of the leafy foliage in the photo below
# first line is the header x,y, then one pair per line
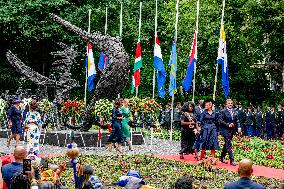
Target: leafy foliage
x,y
254,33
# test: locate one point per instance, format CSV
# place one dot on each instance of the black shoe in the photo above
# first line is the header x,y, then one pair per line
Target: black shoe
x,y
223,161
233,163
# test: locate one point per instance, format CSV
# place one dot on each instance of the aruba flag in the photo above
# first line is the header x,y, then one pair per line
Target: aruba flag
x,y
91,68
187,82
173,64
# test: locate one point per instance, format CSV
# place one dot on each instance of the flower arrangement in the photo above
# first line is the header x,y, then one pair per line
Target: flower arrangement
x,y
3,109
45,105
73,107
72,111
103,109
145,106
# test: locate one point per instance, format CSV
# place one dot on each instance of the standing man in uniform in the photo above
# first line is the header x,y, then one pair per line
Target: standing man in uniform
x,y
228,120
280,127
259,123
270,121
241,117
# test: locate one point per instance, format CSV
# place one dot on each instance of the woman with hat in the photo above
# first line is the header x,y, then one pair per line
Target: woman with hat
x,y
208,134
14,121
33,124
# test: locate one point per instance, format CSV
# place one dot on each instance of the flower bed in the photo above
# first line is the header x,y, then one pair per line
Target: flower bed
x,y
261,152
156,172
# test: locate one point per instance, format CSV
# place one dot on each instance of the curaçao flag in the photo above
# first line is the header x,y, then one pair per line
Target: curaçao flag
x,y
103,62
137,67
91,68
222,59
173,64
159,66
187,82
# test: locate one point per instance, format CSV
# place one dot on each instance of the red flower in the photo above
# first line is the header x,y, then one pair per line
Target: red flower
x,y
270,156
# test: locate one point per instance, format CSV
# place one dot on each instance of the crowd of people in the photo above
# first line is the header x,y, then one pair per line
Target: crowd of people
x,y
264,122
13,175
200,126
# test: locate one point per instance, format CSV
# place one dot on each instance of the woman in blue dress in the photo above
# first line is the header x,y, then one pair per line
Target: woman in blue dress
x,y
116,136
208,134
14,121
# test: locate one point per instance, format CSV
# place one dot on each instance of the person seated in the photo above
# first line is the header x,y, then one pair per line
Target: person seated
x,y
9,170
183,182
245,171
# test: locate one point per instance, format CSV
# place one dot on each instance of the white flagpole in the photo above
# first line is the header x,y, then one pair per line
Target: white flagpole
x,y
156,25
194,73
216,74
120,30
139,34
106,23
173,97
86,81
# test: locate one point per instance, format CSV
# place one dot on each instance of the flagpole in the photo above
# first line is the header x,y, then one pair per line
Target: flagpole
x,y
156,25
173,96
106,23
194,72
86,81
139,34
216,74
120,30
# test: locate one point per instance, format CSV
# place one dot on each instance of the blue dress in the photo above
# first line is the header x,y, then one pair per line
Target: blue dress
x,y
15,116
208,133
116,134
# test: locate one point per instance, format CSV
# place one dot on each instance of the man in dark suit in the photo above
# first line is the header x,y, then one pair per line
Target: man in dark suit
x,y
245,171
228,120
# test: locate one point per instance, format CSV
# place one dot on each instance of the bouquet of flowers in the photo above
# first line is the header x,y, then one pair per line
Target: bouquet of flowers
x,y
103,109
150,106
73,108
45,105
136,105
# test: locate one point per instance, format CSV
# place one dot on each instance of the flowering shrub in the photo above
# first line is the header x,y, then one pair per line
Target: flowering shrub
x,y
3,110
45,105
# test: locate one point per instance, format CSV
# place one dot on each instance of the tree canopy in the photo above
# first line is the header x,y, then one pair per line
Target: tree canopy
x,y
254,30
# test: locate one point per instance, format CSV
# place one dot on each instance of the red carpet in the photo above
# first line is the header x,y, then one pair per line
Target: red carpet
x,y
257,170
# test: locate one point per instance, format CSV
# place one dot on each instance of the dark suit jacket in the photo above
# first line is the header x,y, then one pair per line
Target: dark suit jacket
x,y
225,119
243,183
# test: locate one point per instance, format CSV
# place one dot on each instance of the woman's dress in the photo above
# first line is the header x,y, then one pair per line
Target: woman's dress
x,y
187,134
15,116
33,124
116,133
208,133
125,121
